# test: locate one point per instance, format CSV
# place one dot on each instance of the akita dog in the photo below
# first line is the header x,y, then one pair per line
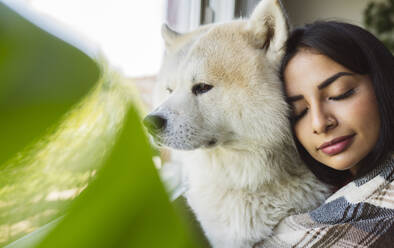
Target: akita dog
x,y
221,104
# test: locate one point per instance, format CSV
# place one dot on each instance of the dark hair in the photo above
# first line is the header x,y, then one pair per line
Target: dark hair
x,y
361,52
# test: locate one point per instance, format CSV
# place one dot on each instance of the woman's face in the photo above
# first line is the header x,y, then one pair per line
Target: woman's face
x,y
335,110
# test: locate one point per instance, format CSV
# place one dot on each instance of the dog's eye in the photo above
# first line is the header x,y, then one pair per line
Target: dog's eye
x,y
201,88
169,90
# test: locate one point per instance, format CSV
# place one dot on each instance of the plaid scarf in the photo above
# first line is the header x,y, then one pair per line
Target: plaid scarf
x,y
361,214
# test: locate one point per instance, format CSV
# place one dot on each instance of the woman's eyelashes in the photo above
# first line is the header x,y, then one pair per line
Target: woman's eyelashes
x,y
342,96
300,115
345,95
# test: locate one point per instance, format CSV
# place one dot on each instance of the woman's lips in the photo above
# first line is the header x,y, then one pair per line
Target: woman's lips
x,y
336,145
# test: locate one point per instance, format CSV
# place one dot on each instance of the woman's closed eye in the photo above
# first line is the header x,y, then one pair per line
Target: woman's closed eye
x,y
342,96
345,95
296,117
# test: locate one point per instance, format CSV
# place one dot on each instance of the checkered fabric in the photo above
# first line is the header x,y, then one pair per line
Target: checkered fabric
x,y
361,214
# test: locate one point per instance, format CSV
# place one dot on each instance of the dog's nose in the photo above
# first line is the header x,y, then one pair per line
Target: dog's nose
x,y
155,123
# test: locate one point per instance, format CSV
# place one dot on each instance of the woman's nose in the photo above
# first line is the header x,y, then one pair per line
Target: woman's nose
x,y
322,120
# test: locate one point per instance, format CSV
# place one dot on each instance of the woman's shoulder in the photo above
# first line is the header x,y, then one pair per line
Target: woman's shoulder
x,y
359,214
372,188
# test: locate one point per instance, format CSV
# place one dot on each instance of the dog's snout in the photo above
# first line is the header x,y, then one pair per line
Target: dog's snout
x,y
155,123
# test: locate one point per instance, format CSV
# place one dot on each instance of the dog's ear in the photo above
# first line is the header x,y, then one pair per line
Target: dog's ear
x,y
268,28
168,34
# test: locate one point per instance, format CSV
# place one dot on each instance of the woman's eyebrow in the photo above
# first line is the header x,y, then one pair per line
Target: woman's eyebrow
x,y
322,85
331,79
290,99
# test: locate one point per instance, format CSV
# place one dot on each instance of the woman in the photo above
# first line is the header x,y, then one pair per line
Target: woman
x,y
339,82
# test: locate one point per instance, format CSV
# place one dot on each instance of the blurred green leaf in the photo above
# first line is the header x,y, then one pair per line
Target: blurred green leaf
x,y
41,77
37,185
55,155
32,239
126,206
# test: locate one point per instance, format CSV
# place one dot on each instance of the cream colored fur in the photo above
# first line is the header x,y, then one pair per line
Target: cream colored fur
x,y
244,184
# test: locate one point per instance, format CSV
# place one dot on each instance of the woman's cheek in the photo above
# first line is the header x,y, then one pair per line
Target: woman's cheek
x,y
361,111
302,134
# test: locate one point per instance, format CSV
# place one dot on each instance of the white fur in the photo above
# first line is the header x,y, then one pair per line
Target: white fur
x,y
252,177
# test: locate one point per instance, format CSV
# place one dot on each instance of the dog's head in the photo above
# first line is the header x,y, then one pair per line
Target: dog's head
x,y
218,85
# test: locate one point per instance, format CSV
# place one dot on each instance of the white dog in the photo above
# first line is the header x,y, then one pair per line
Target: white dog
x,y
221,103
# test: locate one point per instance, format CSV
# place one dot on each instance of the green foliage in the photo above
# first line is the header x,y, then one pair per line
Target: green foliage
x,y
73,152
379,19
40,76
48,174
126,204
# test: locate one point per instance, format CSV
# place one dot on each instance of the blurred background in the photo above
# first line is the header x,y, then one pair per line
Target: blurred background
x,y
127,33
76,77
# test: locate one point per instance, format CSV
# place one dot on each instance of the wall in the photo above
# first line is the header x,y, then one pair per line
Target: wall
x,y
305,11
